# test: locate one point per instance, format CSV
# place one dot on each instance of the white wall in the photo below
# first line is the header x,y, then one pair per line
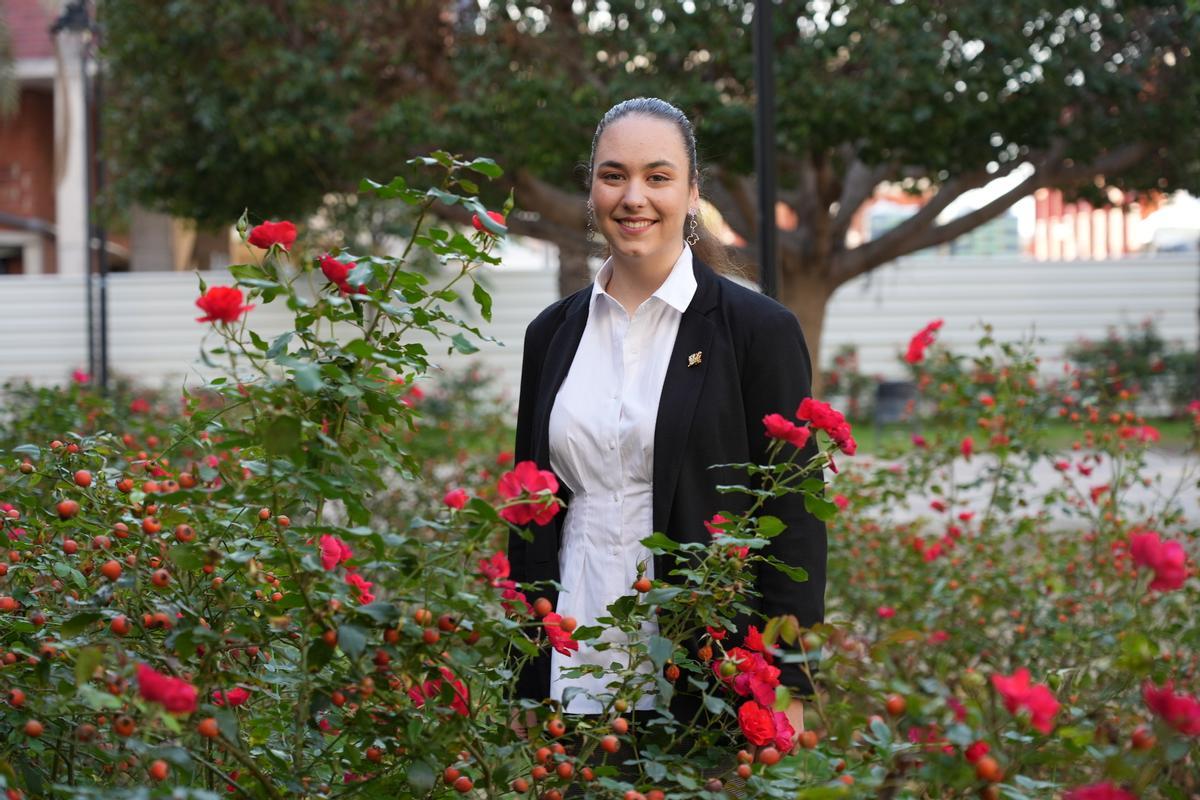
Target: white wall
x,y
1059,302
154,338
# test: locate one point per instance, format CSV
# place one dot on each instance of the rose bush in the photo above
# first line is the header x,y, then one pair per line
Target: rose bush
x,y
218,601
294,586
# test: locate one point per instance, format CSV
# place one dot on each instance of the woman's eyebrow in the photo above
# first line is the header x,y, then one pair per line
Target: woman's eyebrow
x,y
651,165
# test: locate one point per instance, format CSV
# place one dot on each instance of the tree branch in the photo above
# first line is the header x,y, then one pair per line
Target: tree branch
x,y
733,195
858,186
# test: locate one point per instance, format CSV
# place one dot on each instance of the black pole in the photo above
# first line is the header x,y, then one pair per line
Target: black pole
x,y
764,144
101,229
74,18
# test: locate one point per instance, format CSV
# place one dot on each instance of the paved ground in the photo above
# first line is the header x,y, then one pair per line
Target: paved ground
x,y
1173,480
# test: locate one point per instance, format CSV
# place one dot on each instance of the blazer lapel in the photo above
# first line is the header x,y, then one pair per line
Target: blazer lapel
x,y
681,391
559,355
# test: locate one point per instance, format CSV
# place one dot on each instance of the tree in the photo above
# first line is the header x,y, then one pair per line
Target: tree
x,y
939,97
271,104
225,105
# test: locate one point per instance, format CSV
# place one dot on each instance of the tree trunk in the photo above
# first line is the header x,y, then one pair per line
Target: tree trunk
x,y
573,271
808,297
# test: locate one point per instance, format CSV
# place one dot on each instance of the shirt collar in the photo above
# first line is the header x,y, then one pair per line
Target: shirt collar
x,y
676,291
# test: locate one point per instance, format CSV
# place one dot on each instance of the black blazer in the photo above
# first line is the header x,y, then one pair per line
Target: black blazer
x,y
754,362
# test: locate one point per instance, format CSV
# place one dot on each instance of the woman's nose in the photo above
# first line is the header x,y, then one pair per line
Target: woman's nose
x,y
634,196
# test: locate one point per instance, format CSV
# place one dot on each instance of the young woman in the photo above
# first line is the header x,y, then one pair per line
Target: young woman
x,y
633,387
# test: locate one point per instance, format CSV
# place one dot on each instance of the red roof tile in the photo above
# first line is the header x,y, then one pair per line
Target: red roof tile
x,y
29,28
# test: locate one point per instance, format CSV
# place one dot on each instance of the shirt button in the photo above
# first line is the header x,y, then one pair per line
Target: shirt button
x,y
616,497
612,445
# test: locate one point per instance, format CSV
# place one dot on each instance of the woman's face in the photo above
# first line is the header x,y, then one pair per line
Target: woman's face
x,y
640,187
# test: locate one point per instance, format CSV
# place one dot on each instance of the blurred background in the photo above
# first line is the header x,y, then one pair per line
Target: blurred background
x,y
1028,165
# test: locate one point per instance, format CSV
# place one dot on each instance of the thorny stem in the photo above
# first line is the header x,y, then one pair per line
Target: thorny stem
x,y
250,764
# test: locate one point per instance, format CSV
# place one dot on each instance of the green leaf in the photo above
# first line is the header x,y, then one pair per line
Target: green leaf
x,y
78,623
86,662
783,698
795,573
585,633
661,594
486,166
279,346
819,508
247,272
421,777
381,612
352,640
308,378
282,437
484,300
319,654
716,705
660,541
770,526
660,649
95,699
462,345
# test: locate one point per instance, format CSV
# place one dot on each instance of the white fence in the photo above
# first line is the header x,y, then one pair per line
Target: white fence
x,y
154,337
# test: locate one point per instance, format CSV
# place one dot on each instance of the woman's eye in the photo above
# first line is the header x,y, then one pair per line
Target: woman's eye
x,y
611,176
659,178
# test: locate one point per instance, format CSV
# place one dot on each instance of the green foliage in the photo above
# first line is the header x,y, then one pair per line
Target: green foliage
x,y
286,535
1139,363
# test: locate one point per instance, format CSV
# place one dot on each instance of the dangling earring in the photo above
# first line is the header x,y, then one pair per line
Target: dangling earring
x,y
591,228
693,238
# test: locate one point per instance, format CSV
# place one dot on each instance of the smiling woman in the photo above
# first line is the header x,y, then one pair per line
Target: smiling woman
x,y
631,390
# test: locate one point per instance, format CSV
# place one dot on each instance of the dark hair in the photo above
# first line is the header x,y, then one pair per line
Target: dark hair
x,y
708,249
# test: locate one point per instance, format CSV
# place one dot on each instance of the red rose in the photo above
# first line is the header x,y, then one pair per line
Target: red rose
x,y
334,551
234,697
757,723
785,735
1167,558
496,216
1179,711
778,427
560,639
495,568
510,596
362,585
841,501
432,688
824,417
221,304
337,272
1019,694
174,694
272,233
976,751
923,339
527,480
1099,791
456,498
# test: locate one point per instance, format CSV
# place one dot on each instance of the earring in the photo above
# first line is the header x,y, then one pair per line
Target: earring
x,y
693,238
591,228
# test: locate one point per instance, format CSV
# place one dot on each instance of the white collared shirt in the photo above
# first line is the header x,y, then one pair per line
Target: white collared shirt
x,y
602,448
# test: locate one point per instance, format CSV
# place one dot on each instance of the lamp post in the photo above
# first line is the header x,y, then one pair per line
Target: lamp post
x,y
75,22
764,143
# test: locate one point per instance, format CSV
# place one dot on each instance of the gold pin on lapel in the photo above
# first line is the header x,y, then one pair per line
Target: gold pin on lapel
x,y
695,357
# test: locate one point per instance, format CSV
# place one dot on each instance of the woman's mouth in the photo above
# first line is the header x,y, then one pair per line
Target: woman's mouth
x,y
635,226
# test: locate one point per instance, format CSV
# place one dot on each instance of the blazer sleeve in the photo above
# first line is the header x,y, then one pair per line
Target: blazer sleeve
x,y
776,376
531,370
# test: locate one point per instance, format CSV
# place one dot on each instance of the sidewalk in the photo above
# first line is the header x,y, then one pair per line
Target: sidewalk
x,y
1174,479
